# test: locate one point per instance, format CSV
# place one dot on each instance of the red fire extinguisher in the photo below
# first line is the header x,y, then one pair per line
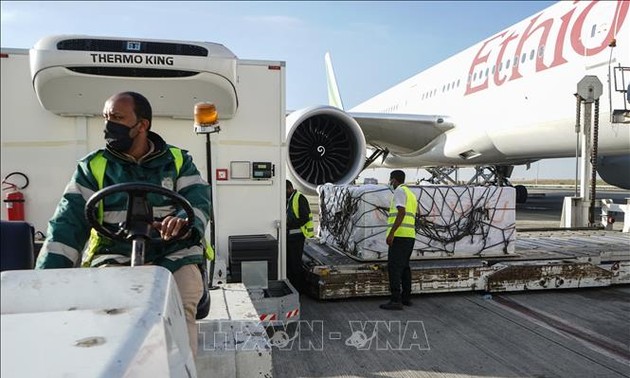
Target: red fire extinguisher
x,y
14,199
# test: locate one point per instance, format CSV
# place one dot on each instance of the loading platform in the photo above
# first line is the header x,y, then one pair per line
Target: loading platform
x,y
543,260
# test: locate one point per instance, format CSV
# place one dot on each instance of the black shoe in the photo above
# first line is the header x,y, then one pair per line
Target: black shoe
x,y
391,306
407,303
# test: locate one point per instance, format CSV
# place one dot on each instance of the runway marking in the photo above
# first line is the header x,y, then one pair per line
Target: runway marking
x,y
592,340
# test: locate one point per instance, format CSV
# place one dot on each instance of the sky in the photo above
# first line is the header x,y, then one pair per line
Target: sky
x,y
374,45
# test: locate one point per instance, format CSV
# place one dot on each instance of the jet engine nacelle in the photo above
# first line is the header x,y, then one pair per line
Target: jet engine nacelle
x,y
614,170
325,145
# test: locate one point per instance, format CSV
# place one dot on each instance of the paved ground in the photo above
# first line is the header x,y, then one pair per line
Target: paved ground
x,y
579,333
565,333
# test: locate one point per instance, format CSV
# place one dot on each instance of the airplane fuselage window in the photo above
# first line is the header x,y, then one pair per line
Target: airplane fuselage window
x,y
593,30
507,64
457,83
541,51
531,54
523,58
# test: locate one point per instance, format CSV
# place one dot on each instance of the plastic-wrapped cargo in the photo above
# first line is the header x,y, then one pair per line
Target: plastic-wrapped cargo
x,y
451,222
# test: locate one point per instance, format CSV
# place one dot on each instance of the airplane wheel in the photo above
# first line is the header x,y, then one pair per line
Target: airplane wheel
x,y
521,193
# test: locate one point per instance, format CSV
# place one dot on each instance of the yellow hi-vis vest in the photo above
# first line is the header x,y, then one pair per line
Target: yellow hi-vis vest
x,y
407,228
308,227
97,165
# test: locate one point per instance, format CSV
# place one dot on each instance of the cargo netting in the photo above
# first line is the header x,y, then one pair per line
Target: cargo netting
x,y
451,221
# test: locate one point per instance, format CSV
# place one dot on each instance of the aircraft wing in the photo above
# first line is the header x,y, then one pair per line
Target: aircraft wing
x,y
401,133
398,133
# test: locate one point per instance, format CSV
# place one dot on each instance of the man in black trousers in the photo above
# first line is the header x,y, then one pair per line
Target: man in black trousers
x,y
299,227
401,236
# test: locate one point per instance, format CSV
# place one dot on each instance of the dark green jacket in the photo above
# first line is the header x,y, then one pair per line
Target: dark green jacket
x,y
68,230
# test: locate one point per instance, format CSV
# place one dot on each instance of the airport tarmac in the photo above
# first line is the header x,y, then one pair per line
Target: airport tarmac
x,y
570,333
544,207
555,333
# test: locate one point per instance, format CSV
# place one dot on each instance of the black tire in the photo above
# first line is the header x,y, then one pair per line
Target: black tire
x,y
521,193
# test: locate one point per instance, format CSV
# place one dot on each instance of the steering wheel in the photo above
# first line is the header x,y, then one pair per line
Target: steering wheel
x,y
139,212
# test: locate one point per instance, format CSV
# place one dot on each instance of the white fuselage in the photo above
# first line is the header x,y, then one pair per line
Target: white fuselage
x,y
511,96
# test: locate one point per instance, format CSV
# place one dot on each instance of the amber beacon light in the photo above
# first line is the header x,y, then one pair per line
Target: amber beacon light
x,y
206,118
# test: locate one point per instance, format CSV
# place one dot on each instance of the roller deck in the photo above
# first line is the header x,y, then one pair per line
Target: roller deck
x,y
543,260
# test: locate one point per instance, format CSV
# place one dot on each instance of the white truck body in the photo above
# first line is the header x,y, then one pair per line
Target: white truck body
x,y
128,319
52,103
46,146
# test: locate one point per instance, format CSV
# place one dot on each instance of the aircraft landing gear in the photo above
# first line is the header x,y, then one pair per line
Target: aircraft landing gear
x,y
484,175
521,193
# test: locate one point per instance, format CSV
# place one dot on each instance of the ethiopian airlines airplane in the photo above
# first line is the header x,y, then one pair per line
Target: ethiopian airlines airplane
x,y
506,101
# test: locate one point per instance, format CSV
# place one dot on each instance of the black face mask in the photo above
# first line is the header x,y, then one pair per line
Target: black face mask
x,y
117,136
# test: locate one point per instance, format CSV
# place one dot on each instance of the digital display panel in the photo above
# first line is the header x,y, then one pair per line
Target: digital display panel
x,y
261,170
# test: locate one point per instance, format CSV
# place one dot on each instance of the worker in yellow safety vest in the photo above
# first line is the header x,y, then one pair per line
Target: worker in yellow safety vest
x,y
401,236
134,153
299,227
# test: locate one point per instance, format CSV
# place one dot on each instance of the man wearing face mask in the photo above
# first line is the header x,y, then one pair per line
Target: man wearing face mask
x,y
401,236
133,153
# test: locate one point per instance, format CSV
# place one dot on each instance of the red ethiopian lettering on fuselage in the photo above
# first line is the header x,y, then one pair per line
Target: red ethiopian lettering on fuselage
x,y
558,53
529,31
481,58
504,44
576,42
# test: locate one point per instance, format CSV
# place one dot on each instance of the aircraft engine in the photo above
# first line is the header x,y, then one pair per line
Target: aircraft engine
x,y
325,145
614,170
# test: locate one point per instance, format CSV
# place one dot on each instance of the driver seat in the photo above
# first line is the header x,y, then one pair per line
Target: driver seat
x,y
17,245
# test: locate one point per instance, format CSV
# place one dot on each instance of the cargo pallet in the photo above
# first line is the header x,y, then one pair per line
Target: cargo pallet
x,y
542,261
